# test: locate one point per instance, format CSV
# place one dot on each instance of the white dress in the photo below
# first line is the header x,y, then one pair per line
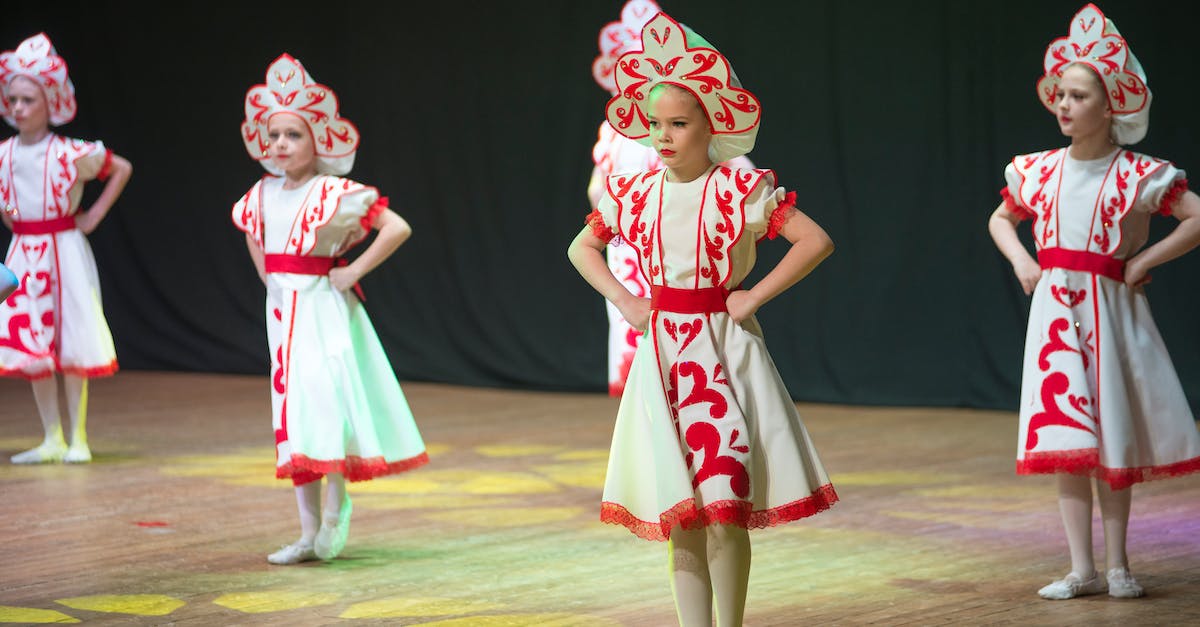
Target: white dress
x,y
1099,395
706,432
54,321
336,404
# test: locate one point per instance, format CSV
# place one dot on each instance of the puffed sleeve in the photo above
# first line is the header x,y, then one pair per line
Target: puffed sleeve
x,y
1011,194
1161,189
356,211
96,162
768,207
603,219
245,214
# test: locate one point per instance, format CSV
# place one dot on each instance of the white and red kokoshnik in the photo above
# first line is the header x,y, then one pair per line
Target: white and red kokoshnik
x,y
1099,395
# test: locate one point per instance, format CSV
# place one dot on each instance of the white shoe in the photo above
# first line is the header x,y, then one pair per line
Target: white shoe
x,y
45,453
293,554
1073,586
331,538
78,454
1122,585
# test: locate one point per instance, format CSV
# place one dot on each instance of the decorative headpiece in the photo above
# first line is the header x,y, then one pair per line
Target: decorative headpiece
x,y
36,59
290,89
672,53
1094,41
617,38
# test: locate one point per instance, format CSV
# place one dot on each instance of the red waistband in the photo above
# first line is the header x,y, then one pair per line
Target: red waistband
x,y
1083,261
298,264
676,300
43,227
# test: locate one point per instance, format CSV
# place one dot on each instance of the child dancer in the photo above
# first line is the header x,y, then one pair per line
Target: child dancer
x,y
707,442
1099,396
615,153
337,408
53,324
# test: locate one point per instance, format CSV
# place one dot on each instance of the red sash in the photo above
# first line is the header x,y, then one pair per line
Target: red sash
x,y
676,300
43,227
300,264
1082,261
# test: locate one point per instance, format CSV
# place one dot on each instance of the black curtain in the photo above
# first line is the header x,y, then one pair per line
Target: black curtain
x,y
892,120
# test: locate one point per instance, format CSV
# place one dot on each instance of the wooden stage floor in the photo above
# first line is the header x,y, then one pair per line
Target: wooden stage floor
x,y
171,523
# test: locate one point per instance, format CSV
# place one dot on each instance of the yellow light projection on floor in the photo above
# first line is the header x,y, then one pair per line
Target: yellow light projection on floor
x,y
404,607
515,517
263,601
137,604
523,620
10,614
516,450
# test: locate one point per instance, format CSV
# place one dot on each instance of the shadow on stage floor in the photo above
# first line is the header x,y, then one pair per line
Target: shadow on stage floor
x,y
172,521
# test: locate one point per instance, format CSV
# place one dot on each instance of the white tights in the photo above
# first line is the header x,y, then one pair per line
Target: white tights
x,y
714,561
45,394
308,502
1075,503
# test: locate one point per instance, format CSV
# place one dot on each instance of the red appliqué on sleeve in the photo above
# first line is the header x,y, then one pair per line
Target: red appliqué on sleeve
x,y
1014,207
369,218
1178,188
599,228
105,169
781,214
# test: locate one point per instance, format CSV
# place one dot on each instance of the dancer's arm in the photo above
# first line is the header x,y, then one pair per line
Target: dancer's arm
x,y
1003,227
1184,237
586,254
393,231
810,246
121,170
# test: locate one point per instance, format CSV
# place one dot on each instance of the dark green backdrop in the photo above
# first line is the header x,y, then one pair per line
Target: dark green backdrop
x,y
892,120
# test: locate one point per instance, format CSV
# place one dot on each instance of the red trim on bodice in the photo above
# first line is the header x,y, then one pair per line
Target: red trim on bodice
x,y
43,227
676,300
1082,261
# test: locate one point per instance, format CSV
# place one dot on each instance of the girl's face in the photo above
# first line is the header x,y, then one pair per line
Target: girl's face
x,y
27,102
1082,105
291,146
679,130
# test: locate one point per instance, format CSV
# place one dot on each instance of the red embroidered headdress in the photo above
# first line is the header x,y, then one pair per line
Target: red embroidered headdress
x,y
672,53
290,89
36,59
1093,40
617,38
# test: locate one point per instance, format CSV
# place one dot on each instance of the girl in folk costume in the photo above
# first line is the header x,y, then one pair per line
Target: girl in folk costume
x,y
337,408
707,443
52,326
615,153
1099,396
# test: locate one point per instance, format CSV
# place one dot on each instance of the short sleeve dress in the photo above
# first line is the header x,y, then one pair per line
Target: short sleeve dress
x,y
336,403
1099,394
54,321
706,432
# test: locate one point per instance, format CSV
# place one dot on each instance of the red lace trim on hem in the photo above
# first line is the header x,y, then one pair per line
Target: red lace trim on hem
x,y
599,228
353,468
738,513
1087,462
105,169
1167,204
1017,209
369,218
86,373
781,214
